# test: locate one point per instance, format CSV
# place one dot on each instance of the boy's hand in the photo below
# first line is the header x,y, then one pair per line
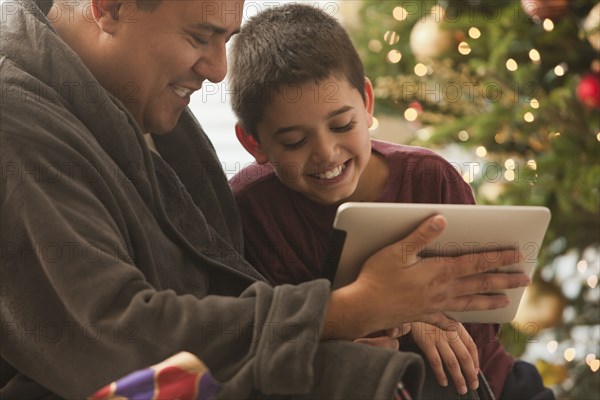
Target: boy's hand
x,y
453,349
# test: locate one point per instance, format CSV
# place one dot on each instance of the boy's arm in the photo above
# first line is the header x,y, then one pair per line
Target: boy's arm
x,y
401,287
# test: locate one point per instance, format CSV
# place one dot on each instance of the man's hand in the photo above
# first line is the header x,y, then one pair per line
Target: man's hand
x,y
453,349
397,286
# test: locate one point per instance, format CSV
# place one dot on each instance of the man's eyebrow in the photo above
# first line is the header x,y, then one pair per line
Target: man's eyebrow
x,y
211,27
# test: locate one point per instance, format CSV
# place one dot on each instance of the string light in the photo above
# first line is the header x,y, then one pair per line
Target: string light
x,y
400,13
391,37
500,138
509,175
534,103
375,124
394,56
548,25
532,165
553,135
598,136
595,365
592,281
528,117
411,114
559,70
589,358
481,151
535,56
552,346
582,266
464,48
467,177
569,354
425,133
511,65
474,33
375,45
421,69
463,136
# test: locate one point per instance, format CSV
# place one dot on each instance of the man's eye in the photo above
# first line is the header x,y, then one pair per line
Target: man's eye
x,y
294,146
344,128
198,40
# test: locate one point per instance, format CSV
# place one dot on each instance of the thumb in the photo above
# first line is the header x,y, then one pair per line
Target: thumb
x,y
413,244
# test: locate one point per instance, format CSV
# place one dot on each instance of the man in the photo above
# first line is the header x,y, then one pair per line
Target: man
x,y
117,253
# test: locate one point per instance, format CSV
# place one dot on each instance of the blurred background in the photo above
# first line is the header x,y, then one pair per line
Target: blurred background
x,y
509,92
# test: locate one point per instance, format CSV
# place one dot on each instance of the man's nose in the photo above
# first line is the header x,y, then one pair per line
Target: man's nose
x,y
213,64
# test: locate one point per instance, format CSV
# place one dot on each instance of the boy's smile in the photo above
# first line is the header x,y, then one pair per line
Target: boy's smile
x,y
318,140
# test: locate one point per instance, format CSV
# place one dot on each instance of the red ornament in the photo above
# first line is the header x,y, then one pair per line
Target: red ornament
x,y
416,105
588,90
542,9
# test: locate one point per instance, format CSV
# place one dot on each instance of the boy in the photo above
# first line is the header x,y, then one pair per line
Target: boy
x,y
304,109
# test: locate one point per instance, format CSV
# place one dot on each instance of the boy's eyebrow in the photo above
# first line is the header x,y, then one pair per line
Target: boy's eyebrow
x,y
332,114
339,111
286,129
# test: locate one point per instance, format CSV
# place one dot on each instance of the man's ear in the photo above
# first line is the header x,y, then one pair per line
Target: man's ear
x,y
107,13
250,144
369,101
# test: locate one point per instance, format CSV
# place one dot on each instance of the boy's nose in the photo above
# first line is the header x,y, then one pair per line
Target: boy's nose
x,y
324,150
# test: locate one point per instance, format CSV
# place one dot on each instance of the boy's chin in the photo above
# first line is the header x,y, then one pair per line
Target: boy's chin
x,y
328,200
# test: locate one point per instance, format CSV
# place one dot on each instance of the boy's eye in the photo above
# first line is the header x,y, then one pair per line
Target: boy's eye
x,y
344,128
293,146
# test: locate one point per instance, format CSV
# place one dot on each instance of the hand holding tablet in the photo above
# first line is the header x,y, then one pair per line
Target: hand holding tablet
x,y
473,234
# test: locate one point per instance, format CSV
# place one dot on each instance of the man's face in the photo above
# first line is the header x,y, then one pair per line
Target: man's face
x,y
163,56
316,138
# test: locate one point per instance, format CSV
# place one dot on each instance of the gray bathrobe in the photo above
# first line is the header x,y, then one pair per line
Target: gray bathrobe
x,y
114,258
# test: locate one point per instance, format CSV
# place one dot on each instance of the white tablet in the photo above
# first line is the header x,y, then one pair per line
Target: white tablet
x,y
367,227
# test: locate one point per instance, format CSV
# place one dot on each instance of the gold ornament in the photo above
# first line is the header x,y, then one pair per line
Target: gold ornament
x,y
428,39
541,307
552,374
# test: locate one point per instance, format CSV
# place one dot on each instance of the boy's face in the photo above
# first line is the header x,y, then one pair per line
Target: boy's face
x,y
316,137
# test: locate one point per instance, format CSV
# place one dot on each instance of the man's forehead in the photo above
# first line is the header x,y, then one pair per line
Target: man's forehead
x,y
216,12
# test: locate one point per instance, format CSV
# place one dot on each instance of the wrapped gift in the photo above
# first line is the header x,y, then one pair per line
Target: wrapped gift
x,y
182,376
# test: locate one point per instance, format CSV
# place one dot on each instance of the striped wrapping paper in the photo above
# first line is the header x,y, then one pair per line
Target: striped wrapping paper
x,y
182,376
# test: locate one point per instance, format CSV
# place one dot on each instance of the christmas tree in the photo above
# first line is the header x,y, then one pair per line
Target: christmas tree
x,y
517,85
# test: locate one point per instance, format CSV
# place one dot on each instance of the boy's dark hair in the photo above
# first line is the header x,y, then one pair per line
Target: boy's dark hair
x,y
288,45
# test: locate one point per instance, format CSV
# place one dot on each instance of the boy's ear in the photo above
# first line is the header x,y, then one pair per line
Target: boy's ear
x,y
107,13
250,144
369,101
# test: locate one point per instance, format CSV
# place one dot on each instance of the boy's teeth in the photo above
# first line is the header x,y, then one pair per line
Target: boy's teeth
x,y
332,173
181,91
